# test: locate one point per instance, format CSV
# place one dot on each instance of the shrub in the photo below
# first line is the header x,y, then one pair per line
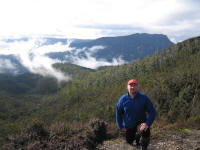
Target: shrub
x,y
97,133
36,130
59,136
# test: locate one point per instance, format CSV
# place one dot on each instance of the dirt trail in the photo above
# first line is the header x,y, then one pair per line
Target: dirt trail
x,y
188,139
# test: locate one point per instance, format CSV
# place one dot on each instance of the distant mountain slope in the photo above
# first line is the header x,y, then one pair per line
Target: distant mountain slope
x,y
73,70
27,83
129,47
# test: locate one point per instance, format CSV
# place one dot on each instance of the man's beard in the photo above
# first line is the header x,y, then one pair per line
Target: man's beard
x,y
133,92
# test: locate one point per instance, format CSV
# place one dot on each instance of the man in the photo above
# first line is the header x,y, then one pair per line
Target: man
x,y
131,110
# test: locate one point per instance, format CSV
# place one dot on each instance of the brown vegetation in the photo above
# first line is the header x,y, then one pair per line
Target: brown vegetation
x,y
59,136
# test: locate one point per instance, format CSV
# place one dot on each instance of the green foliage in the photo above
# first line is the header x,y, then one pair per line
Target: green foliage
x,y
73,70
171,78
187,131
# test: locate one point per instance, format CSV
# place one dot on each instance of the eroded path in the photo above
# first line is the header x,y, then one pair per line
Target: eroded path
x,y
186,139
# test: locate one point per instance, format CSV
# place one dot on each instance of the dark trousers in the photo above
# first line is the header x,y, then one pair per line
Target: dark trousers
x,y
133,134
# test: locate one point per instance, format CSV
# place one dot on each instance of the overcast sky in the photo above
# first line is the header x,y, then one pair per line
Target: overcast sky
x,y
87,19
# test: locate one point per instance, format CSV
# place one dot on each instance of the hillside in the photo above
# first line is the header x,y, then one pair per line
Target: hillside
x,y
73,70
171,78
21,96
170,138
27,83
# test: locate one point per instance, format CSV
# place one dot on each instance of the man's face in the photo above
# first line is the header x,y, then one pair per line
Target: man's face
x,y
132,88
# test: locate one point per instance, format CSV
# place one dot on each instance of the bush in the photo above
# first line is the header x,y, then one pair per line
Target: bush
x,y
59,136
36,130
97,133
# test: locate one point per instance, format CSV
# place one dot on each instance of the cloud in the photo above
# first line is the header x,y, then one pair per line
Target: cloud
x,y
90,62
86,19
31,54
115,29
92,19
6,64
179,20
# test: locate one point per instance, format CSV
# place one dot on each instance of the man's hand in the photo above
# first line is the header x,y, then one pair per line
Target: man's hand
x,y
144,127
123,130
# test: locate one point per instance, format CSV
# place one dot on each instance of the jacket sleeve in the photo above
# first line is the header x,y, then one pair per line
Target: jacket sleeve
x,y
119,115
151,111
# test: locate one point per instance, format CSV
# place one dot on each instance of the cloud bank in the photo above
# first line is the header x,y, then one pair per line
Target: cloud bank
x,y
32,54
90,62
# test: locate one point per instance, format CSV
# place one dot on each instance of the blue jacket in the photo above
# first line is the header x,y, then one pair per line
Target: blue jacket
x,y
133,111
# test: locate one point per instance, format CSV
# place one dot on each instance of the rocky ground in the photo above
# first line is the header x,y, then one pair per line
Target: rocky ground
x,y
177,139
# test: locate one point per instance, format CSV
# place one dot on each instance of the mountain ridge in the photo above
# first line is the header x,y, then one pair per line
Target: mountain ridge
x,y
104,51
128,47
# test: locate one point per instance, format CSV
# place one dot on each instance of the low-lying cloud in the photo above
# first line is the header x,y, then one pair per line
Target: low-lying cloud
x,y
32,54
6,64
89,61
